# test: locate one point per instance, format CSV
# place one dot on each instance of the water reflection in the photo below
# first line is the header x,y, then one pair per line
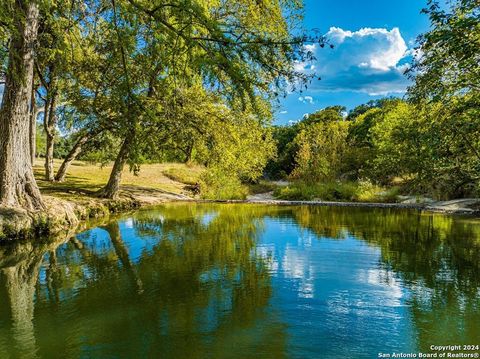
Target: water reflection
x,y
19,270
236,281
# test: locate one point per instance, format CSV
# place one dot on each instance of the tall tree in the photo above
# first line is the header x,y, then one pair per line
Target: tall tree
x,y
241,49
18,187
448,61
60,46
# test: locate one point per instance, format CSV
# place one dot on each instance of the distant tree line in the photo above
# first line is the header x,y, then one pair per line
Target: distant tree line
x,y
429,141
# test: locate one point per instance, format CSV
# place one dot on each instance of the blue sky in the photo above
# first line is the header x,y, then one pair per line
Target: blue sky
x,y
373,45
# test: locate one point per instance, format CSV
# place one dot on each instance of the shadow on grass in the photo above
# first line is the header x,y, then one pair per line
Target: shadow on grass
x,y
72,185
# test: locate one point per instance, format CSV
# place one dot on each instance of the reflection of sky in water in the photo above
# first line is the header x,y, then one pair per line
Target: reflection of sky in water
x,y
136,245
99,240
207,218
335,291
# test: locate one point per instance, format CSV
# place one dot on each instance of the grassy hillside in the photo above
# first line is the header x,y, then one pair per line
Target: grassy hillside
x,y
87,178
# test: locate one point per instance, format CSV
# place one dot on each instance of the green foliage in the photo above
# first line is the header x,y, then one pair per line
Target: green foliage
x,y
63,144
328,114
236,154
284,163
434,147
216,184
362,191
326,191
397,140
321,150
102,149
293,143
183,175
449,63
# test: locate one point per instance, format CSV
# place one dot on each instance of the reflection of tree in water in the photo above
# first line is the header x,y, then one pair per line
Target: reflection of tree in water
x,y
436,256
198,292
19,269
209,284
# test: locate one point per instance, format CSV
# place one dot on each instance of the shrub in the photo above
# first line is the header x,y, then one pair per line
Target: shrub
x,y
363,191
215,184
183,175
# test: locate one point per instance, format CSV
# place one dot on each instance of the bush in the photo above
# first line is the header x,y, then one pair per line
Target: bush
x,y
218,185
183,175
363,191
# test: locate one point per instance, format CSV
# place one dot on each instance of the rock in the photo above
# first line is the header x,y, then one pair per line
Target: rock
x,y
261,197
415,199
465,205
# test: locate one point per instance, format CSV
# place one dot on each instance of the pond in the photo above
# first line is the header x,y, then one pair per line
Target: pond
x,y
244,281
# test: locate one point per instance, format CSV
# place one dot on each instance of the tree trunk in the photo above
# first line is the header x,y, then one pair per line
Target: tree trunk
x,y
72,155
33,124
189,153
20,283
121,251
50,121
18,187
49,171
113,185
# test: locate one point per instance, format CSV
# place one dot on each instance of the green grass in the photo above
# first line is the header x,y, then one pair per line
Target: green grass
x,y
337,191
85,178
183,174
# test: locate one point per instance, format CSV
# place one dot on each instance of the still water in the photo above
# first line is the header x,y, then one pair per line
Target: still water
x,y
244,281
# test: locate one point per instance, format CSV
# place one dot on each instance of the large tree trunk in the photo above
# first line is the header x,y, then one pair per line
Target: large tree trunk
x,y
18,187
113,185
72,155
20,283
19,270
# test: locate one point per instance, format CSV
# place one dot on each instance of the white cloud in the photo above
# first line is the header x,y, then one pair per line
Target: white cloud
x,y
380,49
310,47
306,99
283,112
368,60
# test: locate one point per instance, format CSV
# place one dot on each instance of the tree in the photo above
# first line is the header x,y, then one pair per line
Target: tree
x,y
447,71
448,62
61,47
289,143
238,48
321,150
18,187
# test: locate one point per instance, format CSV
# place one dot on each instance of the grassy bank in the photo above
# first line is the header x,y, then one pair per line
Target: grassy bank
x,y
74,200
337,191
85,178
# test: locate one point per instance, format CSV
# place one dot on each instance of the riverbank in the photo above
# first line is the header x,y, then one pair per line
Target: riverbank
x,y
65,215
458,206
73,202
